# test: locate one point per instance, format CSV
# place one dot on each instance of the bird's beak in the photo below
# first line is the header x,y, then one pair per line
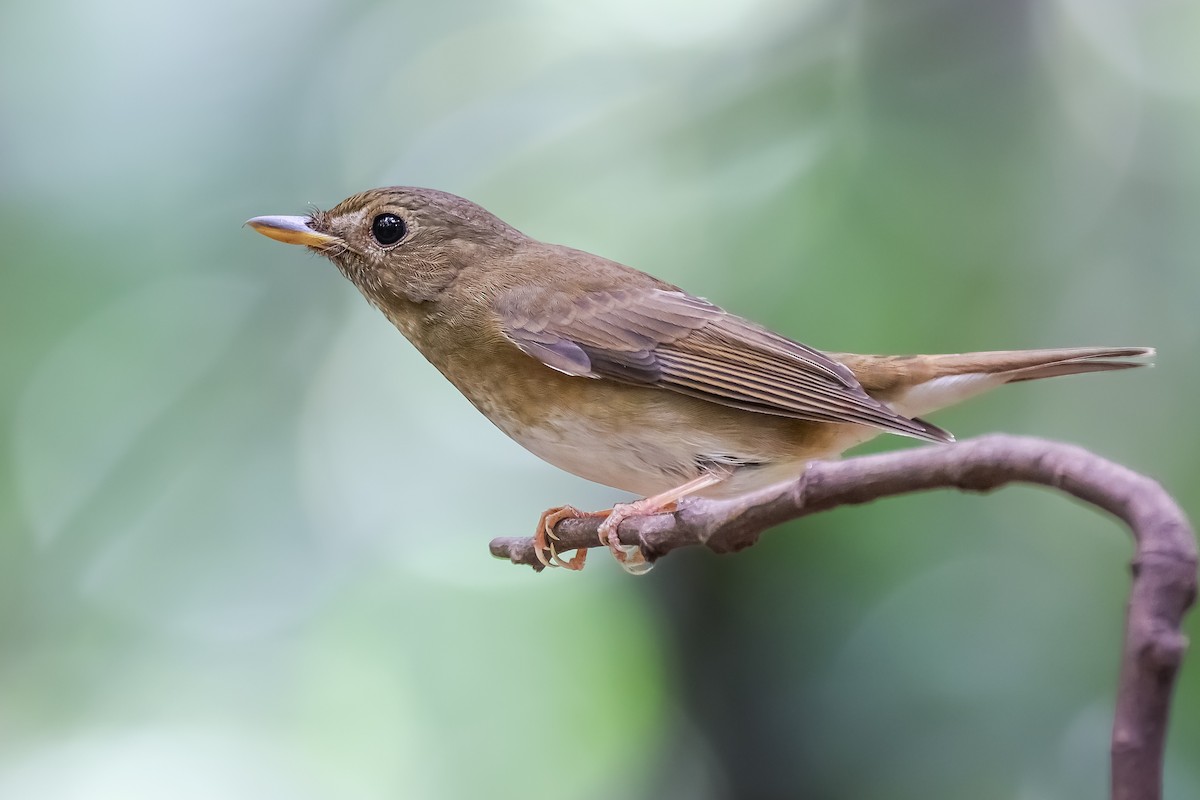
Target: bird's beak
x,y
292,230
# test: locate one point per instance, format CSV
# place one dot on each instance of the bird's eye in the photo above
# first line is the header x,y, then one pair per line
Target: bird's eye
x,y
388,229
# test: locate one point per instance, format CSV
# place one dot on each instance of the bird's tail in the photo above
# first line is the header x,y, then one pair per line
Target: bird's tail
x,y
916,385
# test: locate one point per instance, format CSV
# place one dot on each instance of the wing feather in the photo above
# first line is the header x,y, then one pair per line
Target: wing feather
x,y
671,340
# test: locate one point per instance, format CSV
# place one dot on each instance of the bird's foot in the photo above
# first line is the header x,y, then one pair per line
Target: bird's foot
x,y
630,556
542,540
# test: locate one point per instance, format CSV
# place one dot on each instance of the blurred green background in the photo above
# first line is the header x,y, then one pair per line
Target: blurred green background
x,y
244,525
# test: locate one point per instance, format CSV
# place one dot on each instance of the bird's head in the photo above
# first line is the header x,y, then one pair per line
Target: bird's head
x,y
398,241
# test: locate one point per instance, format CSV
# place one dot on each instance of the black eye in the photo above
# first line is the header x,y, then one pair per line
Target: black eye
x,y
388,229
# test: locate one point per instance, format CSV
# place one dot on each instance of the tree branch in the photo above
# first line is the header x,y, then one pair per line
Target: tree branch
x,y
1164,562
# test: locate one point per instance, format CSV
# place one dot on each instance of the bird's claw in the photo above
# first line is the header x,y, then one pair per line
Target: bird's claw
x,y
545,533
629,556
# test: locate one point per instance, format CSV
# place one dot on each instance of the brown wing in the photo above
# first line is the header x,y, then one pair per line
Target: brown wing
x,y
671,340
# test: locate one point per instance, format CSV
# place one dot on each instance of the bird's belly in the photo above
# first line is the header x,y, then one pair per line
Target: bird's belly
x,y
634,460
655,446
645,440
644,462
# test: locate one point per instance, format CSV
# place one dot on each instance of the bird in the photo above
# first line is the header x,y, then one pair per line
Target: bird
x,y
623,379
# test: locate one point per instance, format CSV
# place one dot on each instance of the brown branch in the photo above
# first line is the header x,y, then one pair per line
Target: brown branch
x,y
1164,563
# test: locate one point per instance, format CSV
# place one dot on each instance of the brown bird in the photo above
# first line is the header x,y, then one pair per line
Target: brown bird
x,y
621,378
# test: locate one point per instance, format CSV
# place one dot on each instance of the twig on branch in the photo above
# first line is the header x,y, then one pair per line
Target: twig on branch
x,y
1164,561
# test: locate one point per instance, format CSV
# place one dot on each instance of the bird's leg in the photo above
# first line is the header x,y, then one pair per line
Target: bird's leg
x,y
630,557
545,532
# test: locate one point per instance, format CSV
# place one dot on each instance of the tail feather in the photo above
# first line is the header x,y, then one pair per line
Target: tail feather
x,y
918,385
1027,365
1076,366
